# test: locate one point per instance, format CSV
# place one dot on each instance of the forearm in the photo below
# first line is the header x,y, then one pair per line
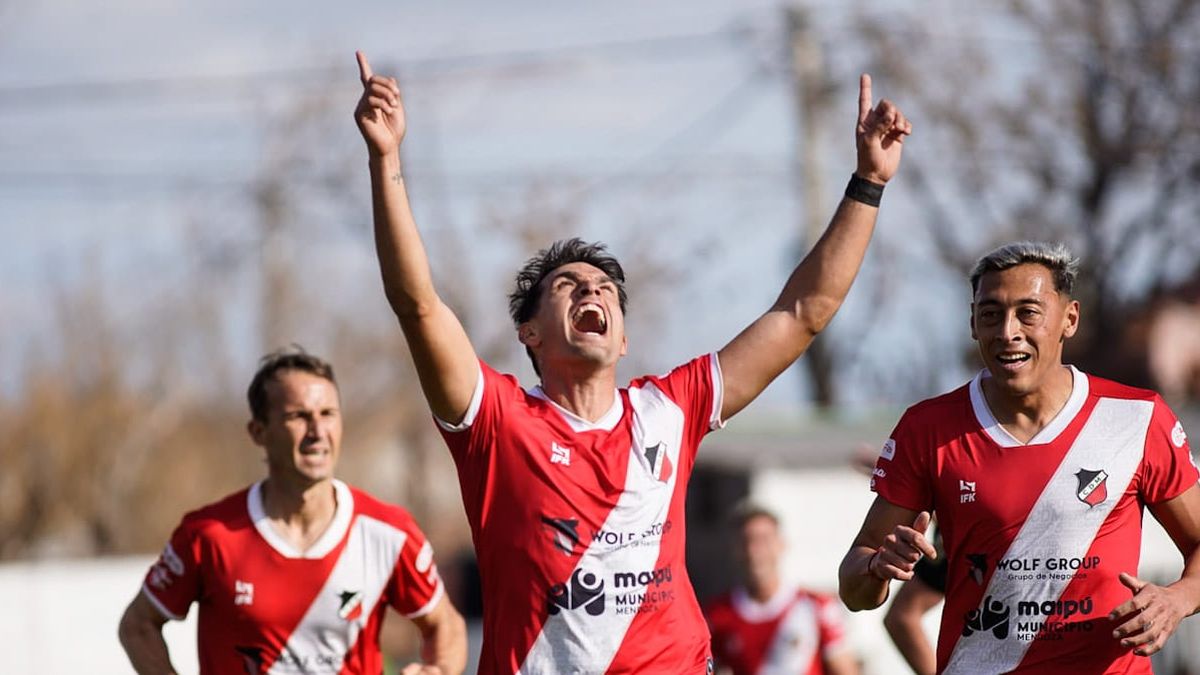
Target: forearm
x,y
816,288
445,645
146,649
407,280
906,632
857,587
1189,582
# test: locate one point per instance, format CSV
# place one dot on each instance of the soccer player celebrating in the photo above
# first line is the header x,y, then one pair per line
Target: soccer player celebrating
x,y
765,626
294,574
574,489
1038,474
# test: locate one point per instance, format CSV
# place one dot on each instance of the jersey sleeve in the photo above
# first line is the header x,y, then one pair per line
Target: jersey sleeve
x,y
1167,465
831,626
902,473
472,436
173,582
415,586
696,387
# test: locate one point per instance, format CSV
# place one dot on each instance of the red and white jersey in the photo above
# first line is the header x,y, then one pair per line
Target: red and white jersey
x,y
267,608
579,526
792,633
1036,534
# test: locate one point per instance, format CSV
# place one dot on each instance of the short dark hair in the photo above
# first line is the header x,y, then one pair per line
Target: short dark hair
x,y
523,301
289,358
1057,258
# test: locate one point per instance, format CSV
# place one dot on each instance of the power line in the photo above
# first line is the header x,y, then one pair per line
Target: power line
x,y
516,61
694,166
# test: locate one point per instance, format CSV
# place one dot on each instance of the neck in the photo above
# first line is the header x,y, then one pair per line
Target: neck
x,y
588,395
764,590
1024,415
301,507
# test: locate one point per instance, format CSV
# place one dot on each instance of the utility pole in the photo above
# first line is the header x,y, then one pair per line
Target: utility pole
x,y
812,92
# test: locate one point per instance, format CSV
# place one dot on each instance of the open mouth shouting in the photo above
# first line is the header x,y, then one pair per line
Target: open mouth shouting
x,y
590,318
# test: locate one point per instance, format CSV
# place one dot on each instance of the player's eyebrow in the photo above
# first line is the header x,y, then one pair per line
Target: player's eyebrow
x,y
992,302
577,277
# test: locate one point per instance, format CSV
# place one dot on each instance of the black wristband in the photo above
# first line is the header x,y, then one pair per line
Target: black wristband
x,y
863,190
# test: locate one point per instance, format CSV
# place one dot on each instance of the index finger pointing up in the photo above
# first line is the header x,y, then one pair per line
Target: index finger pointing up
x,y
864,97
364,68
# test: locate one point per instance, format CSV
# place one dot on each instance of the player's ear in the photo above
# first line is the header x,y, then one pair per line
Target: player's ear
x,y
528,335
1071,319
624,344
974,336
257,431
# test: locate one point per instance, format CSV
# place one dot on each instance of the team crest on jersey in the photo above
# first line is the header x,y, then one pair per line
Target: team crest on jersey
x,y
1092,488
350,606
661,470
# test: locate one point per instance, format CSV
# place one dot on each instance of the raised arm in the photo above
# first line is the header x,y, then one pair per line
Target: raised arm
x,y
140,632
888,546
816,288
445,360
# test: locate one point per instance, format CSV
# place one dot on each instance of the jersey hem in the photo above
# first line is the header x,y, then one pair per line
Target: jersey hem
x,y
472,408
718,388
433,601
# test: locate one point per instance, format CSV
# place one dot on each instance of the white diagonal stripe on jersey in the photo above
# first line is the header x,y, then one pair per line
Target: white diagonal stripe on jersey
x,y
795,641
1060,525
321,640
572,641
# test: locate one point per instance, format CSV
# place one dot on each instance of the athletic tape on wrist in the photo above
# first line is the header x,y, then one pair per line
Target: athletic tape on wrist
x,y
863,190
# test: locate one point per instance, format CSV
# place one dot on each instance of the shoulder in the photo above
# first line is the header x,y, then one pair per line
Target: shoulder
x,y
371,506
506,381
719,602
939,406
228,512
1103,388
936,418
817,597
720,609
700,366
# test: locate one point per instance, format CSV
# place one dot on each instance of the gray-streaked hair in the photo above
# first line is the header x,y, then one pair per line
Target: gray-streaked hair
x,y
289,358
1056,257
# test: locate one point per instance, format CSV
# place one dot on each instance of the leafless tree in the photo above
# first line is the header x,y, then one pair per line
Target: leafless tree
x,y
1072,121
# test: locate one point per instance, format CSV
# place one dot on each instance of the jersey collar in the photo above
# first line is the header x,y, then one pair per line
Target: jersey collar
x,y
1079,394
607,422
754,611
342,514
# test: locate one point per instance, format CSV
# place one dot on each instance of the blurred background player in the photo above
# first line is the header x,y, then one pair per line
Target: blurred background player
x,y
765,626
1039,474
295,573
575,489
